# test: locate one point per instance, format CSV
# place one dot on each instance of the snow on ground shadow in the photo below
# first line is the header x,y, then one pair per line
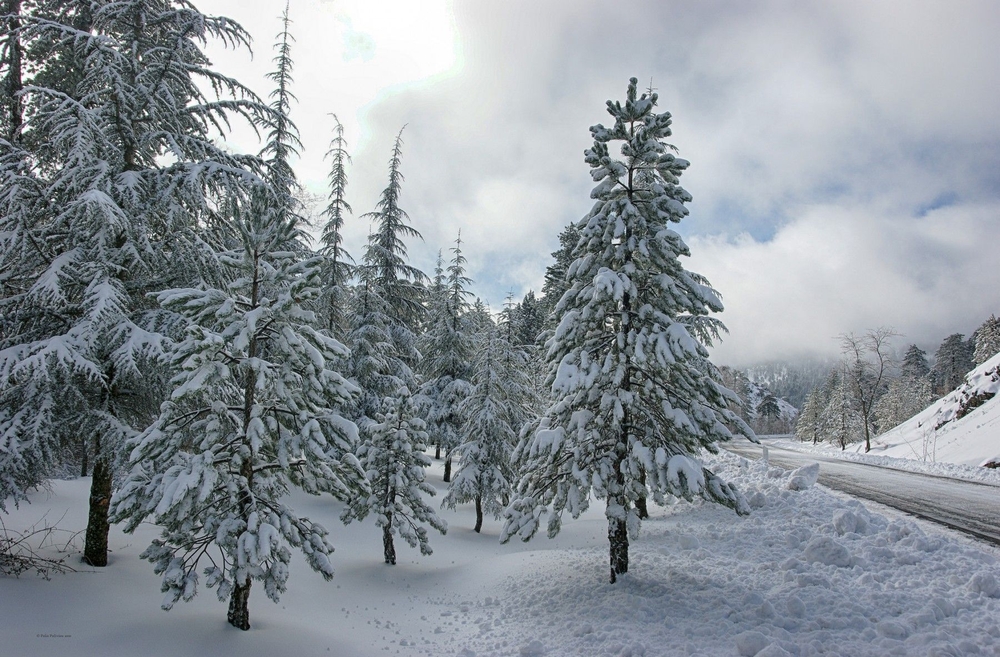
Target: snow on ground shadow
x,y
808,573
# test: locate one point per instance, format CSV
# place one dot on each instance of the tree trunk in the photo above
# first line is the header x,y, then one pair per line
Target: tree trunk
x,y
437,452
95,551
239,601
13,84
447,469
868,439
387,546
640,504
479,513
239,606
640,508
618,537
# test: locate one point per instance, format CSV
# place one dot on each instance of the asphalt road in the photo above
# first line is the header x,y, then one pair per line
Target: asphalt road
x,y
969,507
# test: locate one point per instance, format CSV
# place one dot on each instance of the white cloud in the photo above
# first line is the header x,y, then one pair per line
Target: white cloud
x,y
818,134
839,269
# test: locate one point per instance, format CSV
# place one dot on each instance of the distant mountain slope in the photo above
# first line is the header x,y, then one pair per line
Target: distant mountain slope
x,y
962,427
754,394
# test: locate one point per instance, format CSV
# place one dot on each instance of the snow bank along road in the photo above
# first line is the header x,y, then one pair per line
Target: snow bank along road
x,y
967,506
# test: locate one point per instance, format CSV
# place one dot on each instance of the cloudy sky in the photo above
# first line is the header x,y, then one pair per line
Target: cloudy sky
x,y
845,156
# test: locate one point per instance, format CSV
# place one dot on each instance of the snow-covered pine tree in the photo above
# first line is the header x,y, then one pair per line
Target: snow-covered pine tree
x,y
905,397
255,410
401,284
529,319
807,427
556,283
768,407
524,402
447,350
436,297
952,362
636,398
339,261
392,455
114,197
387,305
840,420
374,364
282,141
11,72
914,363
495,412
987,341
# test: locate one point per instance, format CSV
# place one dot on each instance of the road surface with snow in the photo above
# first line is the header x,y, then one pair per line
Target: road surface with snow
x,y
970,507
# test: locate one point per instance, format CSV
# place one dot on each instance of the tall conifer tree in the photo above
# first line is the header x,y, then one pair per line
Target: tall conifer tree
x,y
447,348
256,406
117,193
636,398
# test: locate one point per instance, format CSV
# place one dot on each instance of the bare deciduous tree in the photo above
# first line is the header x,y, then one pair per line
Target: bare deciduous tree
x,y
867,357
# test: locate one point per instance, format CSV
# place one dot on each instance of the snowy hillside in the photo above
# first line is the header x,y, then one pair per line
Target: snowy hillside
x,y
808,573
962,427
754,393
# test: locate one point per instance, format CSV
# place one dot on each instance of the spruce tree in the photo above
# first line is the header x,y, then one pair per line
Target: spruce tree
x,y
447,350
393,459
914,363
987,341
11,72
952,362
338,259
528,319
906,396
807,427
495,412
400,282
113,195
635,397
556,282
255,410
840,420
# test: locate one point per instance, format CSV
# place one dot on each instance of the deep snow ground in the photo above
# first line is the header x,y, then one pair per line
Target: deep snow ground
x,y
808,573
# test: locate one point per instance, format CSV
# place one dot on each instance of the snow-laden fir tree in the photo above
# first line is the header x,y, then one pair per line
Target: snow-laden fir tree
x,y
374,365
386,306
436,297
840,420
113,195
11,72
987,341
447,350
401,284
495,412
556,283
808,427
282,141
635,397
255,411
524,403
914,363
339,260
392,455
952,361
529,319
904,398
